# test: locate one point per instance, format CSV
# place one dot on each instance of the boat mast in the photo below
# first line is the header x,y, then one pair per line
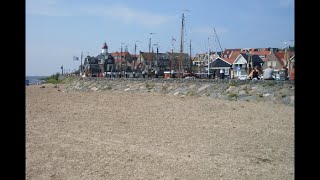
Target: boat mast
x,y
181,46
190,65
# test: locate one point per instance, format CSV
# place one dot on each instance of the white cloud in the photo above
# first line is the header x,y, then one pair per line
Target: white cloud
x,y
286,3
122,12
45,8
129,15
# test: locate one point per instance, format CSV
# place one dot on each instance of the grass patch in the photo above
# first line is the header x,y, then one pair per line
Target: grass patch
x,y
245,89
233,95
149,86
232,83
190,93
53,79
270,84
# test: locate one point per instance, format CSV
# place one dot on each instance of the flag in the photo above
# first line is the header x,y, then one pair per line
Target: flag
x,y
75,58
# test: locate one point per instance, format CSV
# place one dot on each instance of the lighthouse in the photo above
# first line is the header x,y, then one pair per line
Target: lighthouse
x,y
105,49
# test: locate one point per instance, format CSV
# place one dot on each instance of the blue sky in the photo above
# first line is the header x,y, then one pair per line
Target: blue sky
x,y
57,30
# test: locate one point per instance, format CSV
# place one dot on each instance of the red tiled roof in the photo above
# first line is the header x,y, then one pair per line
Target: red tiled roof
x,y
280,55
229,51
119,60
118,54
233,56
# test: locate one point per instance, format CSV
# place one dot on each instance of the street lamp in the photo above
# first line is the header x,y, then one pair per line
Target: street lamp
x,y
135,51
157,53
150,41
157,68
121,60
125,60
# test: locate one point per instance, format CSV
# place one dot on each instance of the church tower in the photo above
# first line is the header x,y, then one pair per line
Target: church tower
x,y
105,49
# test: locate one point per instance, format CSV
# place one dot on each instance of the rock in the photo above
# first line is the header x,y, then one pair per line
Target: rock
x,y
176,93
292,100
169,88
203,87
43,87
94,88
214,95
184,90
286,100
127,89
242,92
231,89
56,86
266,95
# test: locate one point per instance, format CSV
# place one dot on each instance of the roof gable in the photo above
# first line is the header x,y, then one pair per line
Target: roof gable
x,y
276,57
240,59
219,62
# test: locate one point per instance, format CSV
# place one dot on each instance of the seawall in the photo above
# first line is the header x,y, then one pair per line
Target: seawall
x,y
233,90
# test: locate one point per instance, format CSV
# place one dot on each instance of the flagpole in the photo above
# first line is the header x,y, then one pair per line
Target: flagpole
x,y
81,65
73,65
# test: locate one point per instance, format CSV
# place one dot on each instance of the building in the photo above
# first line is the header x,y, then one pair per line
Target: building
x,y
101,64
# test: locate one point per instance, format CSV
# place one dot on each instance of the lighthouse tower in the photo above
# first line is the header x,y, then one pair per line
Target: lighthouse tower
x,y
105,49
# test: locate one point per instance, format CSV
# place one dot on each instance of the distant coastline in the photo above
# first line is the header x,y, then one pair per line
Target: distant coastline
x,y
35,79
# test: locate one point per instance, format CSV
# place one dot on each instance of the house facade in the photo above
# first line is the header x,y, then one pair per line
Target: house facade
x,y
219,65
244,63
102,63
275,60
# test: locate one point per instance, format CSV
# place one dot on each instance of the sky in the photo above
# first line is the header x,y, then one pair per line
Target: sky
x,y
58,30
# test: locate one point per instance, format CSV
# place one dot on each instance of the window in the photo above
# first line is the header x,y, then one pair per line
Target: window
x,y
226,72
269,63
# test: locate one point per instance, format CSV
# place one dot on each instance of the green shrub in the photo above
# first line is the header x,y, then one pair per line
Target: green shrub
x,y
245,89
149,86
270,84
53,79
232,83
190,93
232,95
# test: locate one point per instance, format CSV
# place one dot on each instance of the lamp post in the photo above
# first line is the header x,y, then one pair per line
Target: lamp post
x,y
121,60
208,60
81,64
150,41
157,68
135,51
125,59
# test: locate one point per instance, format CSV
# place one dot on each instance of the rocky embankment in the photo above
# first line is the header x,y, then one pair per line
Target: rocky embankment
x,y
233,90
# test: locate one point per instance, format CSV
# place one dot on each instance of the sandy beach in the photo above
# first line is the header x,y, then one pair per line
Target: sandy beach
x,y
120,135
